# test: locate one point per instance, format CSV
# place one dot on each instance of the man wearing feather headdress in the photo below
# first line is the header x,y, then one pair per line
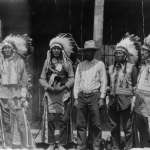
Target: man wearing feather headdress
x,y
57,78
142,101
123,77
13,91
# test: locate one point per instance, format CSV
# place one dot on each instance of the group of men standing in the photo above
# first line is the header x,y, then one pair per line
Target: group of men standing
x,y
126,83
86,86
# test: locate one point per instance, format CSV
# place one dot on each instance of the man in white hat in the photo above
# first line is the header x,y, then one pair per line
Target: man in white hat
x,y
123,77
89,92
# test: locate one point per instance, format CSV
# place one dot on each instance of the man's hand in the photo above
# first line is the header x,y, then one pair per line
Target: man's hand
x,y
59,88
49,88
24,102
75,102
101,103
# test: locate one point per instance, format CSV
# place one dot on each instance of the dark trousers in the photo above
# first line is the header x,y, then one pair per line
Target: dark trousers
x,y
141,125
125,118
88,109
57,121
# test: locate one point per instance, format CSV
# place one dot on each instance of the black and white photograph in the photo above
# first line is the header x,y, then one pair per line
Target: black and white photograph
x,y
74,74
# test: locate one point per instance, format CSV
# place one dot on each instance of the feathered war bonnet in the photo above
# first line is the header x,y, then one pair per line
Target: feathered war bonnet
x,y
146,45
20,43
66,42
131,45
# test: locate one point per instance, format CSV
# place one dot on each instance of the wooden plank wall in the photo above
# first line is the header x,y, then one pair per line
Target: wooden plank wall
x,y
108,56
105,53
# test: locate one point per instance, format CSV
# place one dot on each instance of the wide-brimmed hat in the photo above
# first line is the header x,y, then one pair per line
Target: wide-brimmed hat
x,y
89,45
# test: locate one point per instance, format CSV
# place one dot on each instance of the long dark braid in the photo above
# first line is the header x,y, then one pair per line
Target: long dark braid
x,y
125,68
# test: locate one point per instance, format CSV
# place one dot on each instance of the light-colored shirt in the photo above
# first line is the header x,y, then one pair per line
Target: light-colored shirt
x,y
14,77
89,77
13,71
143,82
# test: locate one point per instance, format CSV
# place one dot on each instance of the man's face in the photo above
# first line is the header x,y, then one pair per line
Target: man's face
x,y
119,56
89,55
7,51
145,54
56,51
